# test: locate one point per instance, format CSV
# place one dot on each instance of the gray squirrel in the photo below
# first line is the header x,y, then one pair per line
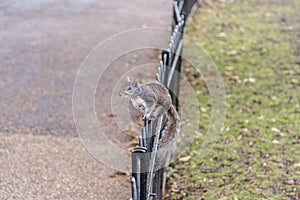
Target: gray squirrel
x,y
154,99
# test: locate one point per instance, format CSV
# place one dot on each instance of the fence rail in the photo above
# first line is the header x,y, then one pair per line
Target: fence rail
x,y
147,182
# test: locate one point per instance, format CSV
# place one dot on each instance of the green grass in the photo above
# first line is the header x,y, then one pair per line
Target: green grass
x,y
257,155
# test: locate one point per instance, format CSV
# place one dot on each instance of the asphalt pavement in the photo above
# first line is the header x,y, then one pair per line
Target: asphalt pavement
x,y
43,44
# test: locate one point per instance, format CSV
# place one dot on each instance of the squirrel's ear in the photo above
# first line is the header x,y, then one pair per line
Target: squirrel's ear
x,y
128,79
135,82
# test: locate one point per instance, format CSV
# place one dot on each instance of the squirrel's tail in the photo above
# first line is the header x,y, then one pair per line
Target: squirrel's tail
x,y
169,138
172,128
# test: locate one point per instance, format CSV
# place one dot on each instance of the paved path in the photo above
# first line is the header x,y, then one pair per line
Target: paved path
x,y
42,46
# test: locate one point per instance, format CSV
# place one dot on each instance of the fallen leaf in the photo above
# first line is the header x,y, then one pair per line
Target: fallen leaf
x,y
261,117
209,11
232,53
130,149
245,129
275,142
297,165
294,81
249,80
134,141
235,78
120,173
288,72
268,14
108,115
174,187
185,158
229,68
275,130
287,28
112,175
199,134
222,35
203,109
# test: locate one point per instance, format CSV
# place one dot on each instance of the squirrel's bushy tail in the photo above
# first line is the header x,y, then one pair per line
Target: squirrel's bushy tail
x,y
172,128
170,136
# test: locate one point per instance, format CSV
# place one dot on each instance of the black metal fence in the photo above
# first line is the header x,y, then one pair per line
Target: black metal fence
x,y
148,183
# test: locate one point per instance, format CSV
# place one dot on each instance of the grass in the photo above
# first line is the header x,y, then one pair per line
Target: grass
x,y
258,154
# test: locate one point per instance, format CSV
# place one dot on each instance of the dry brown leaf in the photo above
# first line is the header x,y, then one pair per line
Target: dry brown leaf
x,y
134,141
235,78
275,130
229,68
130,149
185,158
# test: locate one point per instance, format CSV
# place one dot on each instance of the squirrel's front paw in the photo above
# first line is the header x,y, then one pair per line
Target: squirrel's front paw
x,y
146,117
149,118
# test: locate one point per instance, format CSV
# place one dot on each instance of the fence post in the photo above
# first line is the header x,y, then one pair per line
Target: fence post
x,y
148,184
139,173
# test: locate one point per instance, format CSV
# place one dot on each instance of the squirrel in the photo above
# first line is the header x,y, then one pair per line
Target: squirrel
x,y
154,99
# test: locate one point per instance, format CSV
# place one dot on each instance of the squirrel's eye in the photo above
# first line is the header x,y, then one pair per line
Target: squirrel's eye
x,y
129,88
